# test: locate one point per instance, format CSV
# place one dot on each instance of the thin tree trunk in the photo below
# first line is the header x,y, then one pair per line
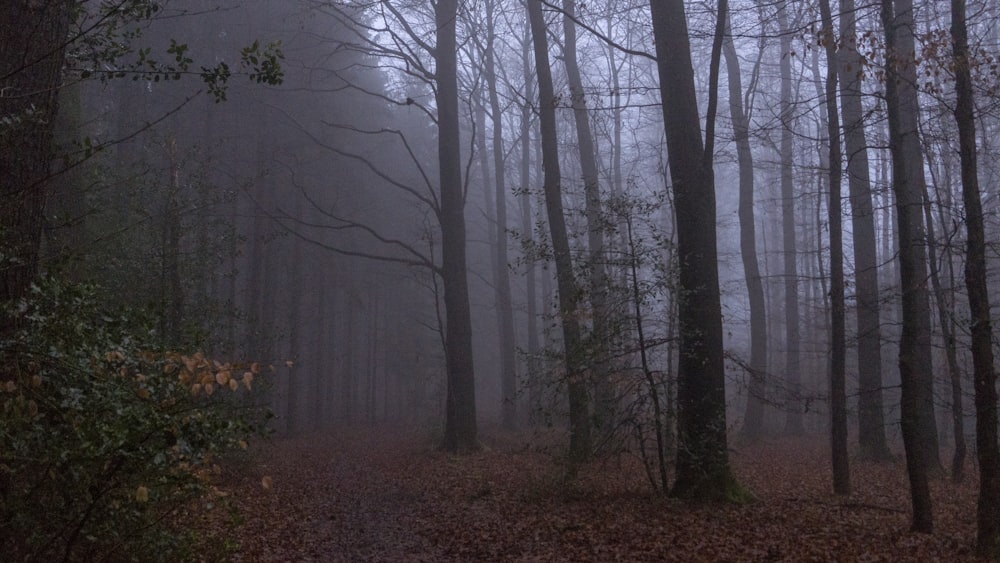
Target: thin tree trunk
x,y
527,230
579,447
838,346
505,312
793,375
944,305
604,394
753,420
984,374
871,418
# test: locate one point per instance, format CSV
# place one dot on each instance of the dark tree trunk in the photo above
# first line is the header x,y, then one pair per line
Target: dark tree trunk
x,y
919,435
871,418
702,452
984,375
32,48
754,417
460,409
944,306
838,346
579,419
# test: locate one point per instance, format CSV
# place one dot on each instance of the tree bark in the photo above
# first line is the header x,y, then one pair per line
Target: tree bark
x,y
871,417
702,453
984,375
579,443
908,186
838,346
460,407
32,49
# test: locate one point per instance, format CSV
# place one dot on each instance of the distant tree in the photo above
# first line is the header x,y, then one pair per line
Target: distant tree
x,y
753,419
35,41
793,367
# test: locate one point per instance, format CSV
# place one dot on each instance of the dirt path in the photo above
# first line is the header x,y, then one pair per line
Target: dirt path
x,y
333,498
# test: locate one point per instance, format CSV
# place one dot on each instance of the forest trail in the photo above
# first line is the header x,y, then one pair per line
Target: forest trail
x,y
391,496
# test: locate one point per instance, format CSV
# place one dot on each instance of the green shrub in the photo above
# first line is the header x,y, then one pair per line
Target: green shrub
x,y
109,444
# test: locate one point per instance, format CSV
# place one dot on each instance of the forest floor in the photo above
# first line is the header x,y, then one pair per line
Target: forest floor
x,y
389,495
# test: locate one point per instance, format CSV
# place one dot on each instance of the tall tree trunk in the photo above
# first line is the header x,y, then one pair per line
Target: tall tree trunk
x,y
702,453
527,230
919,436
32,48
579,442
505,312
944,306
604,394
871,418
753,420
984,374
793,374
838,346
460,408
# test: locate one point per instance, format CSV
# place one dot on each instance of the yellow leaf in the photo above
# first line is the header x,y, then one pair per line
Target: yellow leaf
x,y
255,367
248,380
233,385
266,482
142,494
289,363
209,389
222,378
169,368
195,388
243,444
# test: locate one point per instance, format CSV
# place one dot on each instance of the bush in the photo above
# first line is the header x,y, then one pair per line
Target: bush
x,y
107,440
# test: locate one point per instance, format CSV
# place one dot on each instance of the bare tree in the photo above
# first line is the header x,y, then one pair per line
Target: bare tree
x,y
984,374
754,417
919,434
871,418
580,442
838,346
702,453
